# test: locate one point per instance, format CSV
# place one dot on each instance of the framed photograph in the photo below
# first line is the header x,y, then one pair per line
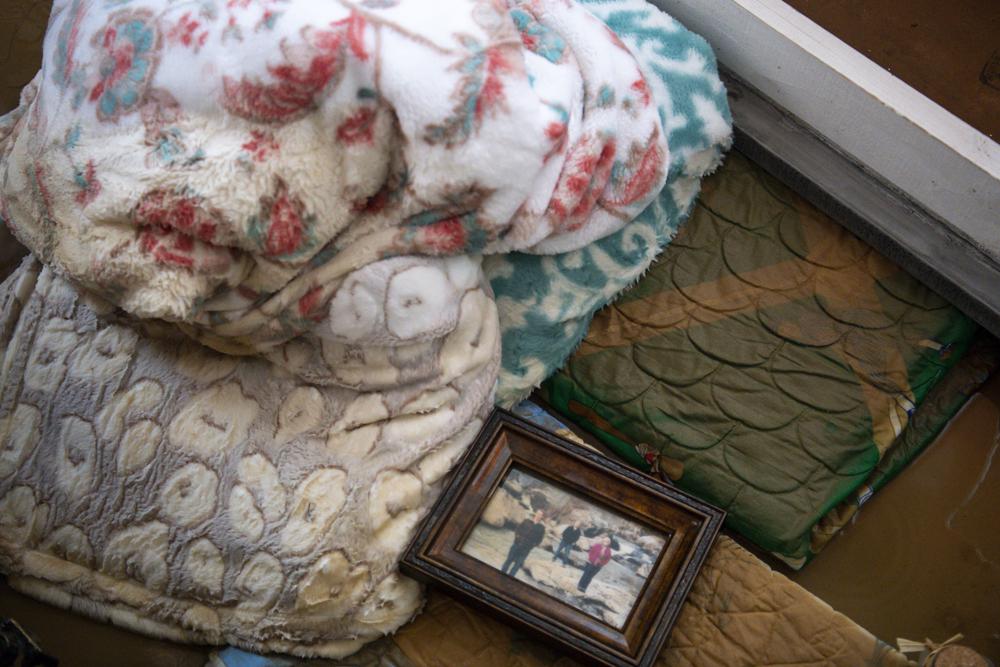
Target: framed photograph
x,y
565,542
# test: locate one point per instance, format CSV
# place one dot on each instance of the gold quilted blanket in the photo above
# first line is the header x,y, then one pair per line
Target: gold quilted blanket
x,y
739,613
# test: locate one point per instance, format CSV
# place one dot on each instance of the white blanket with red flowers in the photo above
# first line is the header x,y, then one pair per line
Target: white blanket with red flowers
x,y
227,167
256,332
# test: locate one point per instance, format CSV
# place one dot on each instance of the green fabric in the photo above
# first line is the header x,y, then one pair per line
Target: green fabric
x,y
767,362
940,404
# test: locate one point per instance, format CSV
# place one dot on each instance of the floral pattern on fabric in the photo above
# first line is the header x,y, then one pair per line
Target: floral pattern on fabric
x,y
176,230
632,177
165,140
189,32
480,92
536,37
130,49
69,36
309,68
86,180
328,94
282,225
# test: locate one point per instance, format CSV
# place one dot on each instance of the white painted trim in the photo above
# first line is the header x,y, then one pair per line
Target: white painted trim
x,y
880,83
937,159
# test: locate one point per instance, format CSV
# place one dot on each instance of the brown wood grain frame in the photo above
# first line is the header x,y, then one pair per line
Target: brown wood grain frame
x,y
688,525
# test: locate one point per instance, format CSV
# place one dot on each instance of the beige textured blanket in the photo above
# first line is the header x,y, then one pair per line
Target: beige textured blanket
x,y
200,497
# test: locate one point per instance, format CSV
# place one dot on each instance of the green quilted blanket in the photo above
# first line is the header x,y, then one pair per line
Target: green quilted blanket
x,y
770,363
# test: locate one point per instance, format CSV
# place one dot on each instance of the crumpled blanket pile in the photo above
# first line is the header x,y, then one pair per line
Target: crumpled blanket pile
x,y
281,252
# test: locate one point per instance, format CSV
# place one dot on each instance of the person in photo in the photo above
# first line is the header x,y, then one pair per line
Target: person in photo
x,y
597,557
528,535
567,542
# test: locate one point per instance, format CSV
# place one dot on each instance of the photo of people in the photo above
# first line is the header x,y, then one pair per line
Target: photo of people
x,y
564,545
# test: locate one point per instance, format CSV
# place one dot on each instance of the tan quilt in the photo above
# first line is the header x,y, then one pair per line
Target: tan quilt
x,y
739,613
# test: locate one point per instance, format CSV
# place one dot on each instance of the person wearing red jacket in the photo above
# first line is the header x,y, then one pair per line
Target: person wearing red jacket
x,y
597,557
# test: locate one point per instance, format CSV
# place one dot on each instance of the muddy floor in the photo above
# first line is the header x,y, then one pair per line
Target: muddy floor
x,y
922,558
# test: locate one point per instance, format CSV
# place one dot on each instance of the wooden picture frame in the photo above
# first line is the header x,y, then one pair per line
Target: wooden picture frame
x,y
684,527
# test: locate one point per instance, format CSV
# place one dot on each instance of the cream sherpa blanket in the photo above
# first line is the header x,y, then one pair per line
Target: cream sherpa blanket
x,y
262,333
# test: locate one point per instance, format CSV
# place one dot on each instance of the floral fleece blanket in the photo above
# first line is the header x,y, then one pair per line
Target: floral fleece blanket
x,y
286,256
